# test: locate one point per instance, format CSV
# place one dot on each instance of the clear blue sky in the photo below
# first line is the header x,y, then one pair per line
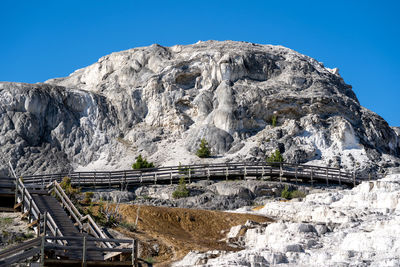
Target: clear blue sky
x,y
47,39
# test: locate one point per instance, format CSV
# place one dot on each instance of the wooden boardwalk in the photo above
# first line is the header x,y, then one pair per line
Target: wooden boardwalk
x,y
49,204
69,231
163,175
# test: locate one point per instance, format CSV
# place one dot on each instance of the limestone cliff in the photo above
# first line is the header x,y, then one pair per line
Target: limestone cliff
x,y
160,101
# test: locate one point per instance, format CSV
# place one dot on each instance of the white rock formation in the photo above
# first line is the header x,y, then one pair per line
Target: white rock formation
x,y
358,227
160,101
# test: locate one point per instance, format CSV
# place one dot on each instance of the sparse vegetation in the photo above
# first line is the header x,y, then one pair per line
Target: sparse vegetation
x,y
275,157
131,227
204,149
141,163
6,221
288,194
150,260
273,122
68,189
88,198
181,191
183,170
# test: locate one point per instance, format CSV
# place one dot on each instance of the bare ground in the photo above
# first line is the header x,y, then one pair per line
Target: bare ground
x,y
175,231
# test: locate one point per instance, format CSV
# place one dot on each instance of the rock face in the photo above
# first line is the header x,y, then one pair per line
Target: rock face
x,y
357,227
160,101
223,195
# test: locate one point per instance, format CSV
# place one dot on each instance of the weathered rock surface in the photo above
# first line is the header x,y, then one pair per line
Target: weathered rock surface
x,y
210,195
160,101
357,227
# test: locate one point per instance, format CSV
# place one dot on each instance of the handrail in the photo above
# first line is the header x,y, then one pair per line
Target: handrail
x,y
172,172
26,196
78,217
40,245
53,227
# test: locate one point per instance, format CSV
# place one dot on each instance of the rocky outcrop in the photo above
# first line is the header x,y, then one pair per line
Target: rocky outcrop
x,y
357,227
210,195
160,101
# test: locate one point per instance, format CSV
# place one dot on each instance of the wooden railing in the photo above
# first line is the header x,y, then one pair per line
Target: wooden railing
x,y
203,171
59,245
90,227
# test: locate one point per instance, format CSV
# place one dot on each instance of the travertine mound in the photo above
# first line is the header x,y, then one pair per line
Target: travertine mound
x,y
160,101
357,227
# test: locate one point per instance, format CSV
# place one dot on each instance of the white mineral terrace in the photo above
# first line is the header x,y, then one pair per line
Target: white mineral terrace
x,y
358,227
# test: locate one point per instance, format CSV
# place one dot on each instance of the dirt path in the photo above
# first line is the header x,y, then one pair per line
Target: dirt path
x,y
174,231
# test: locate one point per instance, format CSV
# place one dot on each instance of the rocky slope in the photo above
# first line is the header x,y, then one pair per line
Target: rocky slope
x,y
357,227
160,101
209,195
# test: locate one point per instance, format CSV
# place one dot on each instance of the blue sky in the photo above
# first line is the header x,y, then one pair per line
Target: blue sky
x,y
47,39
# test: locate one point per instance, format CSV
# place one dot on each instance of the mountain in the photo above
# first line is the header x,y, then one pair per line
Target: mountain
x,y
161,101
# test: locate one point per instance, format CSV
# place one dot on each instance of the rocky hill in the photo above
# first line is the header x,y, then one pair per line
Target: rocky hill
x,y
160,101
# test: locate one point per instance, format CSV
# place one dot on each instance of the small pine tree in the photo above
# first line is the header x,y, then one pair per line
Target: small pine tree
x,y
274,121
275,157
142,163
204,150
286,193
181,191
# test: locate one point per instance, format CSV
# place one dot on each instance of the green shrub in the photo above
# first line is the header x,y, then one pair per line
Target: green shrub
x,y
131,227
88,198
275,157
286,193
274,121
150,260
142,163
298,194
68,189
204,150
181,191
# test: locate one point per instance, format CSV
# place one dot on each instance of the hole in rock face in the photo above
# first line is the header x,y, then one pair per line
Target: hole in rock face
x,y
186,80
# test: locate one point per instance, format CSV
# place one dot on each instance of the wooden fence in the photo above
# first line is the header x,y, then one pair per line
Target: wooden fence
x,y
162,175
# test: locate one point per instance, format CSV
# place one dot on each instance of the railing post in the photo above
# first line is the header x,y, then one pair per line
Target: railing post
x,y
155,178
208,173
94,176
226,173
295,175
23,199
16,190
354,178
44,224
262,173
30,210
170,176
84,252
141,177
135,252
327,183
280,172
125,177
270,172
42,252
38,225
245,172
312,173
109,180
340,177
79,179
190,176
